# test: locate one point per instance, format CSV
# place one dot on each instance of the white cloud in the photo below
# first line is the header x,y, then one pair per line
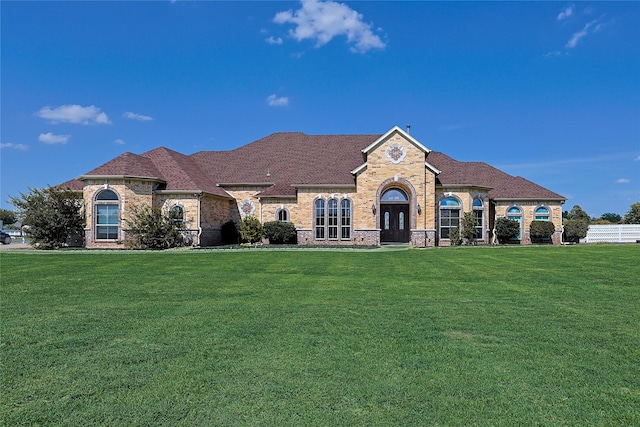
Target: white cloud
x,y
323,20
119,141
76,114
637,159
566,13
274,40
135,116
49,138
22,147
274,101
623,181
589,28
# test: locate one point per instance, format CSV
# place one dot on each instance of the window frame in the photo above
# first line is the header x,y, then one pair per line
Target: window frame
x,y
444,229
112,232
478,213
538,215
332,219
515,213
280,213
179,222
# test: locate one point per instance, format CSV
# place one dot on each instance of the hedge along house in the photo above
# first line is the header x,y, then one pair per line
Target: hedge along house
x,y
336,190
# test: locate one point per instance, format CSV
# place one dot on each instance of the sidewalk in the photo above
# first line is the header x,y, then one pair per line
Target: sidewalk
x,y
15,244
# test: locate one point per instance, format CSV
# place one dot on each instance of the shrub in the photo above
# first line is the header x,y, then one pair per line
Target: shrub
x,y
151,228
251,229
454,236
541,231
230,233
468,229
575,229
279,232
506,229
52,216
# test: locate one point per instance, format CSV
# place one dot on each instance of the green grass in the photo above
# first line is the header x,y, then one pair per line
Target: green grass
x,y
461,336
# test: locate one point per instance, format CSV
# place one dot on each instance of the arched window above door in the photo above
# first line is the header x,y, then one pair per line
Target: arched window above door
x,y
394,195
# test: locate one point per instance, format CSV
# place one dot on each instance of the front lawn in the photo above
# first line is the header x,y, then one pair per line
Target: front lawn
x,y
459,336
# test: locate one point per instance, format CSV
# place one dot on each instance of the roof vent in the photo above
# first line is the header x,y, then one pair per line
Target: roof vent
x,y
409,129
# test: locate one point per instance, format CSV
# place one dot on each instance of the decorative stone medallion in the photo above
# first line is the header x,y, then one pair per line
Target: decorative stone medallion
x,y
246,207
396,153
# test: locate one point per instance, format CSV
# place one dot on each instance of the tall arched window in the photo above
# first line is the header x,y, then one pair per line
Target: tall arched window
x,y
449,216
319,218
542,214
345,215
107,215
515,214
332,219
177,216
478,214
332,209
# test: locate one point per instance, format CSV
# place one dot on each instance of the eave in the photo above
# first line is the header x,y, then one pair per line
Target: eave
x,y
140,178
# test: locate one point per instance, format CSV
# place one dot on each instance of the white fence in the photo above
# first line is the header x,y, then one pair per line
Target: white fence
x,y
613,233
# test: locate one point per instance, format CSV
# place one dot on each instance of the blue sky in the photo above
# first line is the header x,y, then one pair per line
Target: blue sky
x,y
546,90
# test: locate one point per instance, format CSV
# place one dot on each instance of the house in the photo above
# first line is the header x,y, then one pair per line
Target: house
x,y
335,189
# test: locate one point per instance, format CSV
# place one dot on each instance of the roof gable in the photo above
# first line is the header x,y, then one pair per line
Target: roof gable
x,y
396,129
181,172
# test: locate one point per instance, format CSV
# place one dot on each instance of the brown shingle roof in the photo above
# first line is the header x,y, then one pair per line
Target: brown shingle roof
x,y
286,159
128,164
181,173
73,185
503,185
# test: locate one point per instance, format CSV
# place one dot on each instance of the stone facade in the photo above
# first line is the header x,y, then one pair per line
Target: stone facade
x,y
393,161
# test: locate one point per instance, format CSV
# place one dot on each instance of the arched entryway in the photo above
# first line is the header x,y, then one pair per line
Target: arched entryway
x,y
394,216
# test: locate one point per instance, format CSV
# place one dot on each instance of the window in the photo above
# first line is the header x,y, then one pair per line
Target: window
x,y
401,221
282,215
542,214
478,213
394,195
319,223
345,215
107,215
177,216
332,219
449,216
515,214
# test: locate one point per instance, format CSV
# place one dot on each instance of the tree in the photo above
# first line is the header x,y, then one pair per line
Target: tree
x,y
52,216
541,231
7,217
575,229
612,218
576,224
468,229
279,232
633,216
251,229
151,228
577,212
506,229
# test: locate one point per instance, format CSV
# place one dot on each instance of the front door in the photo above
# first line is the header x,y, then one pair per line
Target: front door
x,y
394,221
